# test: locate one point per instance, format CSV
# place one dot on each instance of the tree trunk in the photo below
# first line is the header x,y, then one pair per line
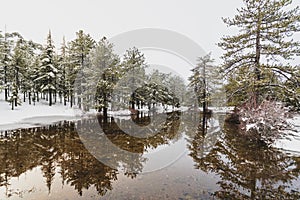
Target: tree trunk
x,y
29,98
105,112
50,97
71,100
79,102
257,61
65,99
5,81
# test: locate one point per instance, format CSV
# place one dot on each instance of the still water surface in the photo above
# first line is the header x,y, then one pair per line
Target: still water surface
x,y
187,157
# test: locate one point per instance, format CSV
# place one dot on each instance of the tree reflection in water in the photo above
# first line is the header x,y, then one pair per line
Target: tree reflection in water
x,y
60,147
247,169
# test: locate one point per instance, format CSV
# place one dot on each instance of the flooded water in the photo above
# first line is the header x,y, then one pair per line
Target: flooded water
x,y
181,156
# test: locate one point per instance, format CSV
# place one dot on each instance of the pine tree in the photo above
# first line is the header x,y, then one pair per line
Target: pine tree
x,y
79,49
22,56
256,60
63,76
134,75
177,87
7,43
102,69
201,81
5,61
30,70
33,75
48,71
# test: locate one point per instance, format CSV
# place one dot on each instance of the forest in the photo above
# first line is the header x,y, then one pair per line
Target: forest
x,y
31,71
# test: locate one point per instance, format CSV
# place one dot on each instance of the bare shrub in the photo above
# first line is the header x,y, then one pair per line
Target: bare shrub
x,y
265,122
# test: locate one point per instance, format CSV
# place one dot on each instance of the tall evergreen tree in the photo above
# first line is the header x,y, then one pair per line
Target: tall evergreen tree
x,y
201,81
104,70
256,60
63,76
48,70
134,64
31,51
79,49
177,87
7,42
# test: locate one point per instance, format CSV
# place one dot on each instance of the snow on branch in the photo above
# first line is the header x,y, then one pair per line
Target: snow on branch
x,y
266,122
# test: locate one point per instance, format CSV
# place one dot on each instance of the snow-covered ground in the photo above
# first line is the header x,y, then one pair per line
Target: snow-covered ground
x,y
26,116
126,114
221,109
292,143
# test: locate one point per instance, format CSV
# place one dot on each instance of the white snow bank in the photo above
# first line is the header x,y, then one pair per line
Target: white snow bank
x,y
223,109
292,143
157,109
26,116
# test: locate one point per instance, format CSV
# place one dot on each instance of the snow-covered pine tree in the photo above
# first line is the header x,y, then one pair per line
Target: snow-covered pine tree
x,y
20,65
103,68
30,71
6,47
134,76
48,70
63,76
33,74
256,59
7,42
177,87
202,79
79,49
158,89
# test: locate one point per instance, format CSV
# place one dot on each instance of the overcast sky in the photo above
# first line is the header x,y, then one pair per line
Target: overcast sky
x,y
197,19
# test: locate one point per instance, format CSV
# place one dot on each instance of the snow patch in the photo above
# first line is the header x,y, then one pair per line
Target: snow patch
x,y
292,143
26,116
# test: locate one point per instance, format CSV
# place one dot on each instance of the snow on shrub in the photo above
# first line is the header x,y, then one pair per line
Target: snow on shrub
x,y
265,122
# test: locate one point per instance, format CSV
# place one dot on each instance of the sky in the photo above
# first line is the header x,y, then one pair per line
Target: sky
x,y
198,20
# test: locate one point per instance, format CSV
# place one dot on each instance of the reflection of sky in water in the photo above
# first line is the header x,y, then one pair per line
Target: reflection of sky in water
x,y
164,156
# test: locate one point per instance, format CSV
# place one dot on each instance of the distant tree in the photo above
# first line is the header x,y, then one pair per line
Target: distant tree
x,y
134,64
201,81
163,88
256,59
177,87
